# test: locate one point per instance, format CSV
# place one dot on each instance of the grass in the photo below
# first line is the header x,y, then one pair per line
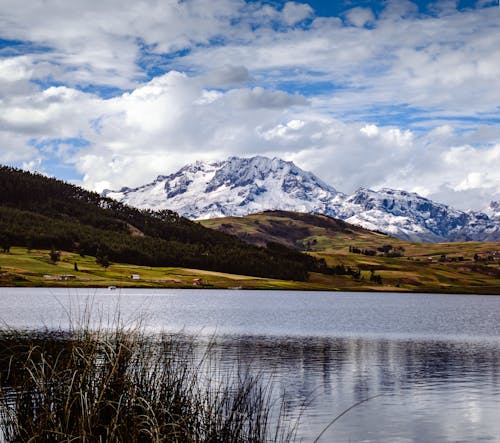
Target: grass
x,y
413,272
116,385
21,267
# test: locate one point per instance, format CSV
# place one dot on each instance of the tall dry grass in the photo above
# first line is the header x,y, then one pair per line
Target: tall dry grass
x,y
122,385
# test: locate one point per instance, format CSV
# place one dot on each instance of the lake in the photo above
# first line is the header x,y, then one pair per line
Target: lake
x,y
433,361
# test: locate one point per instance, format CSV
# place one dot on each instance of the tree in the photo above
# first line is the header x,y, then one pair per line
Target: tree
x,y
30,243
5,243
103,260
54,255
375,277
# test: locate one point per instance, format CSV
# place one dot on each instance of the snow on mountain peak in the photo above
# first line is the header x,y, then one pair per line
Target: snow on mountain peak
x,y
403,214
493,210
240,186
236,186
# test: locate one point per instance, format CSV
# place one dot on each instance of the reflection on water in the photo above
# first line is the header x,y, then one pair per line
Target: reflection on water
x,y
434,359
431,391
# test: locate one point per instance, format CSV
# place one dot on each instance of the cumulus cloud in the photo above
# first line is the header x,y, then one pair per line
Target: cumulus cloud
x,y
139,134
99,41
134,137
404,99
446,64
294,12
360,16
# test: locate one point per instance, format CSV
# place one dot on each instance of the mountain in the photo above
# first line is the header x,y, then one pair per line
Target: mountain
x,y
241,186
409,216
237,186
493,210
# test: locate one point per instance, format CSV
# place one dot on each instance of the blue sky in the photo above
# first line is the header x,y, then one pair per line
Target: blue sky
x,y
387,93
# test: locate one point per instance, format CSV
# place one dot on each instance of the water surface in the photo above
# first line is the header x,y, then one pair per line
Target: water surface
x,y
433,360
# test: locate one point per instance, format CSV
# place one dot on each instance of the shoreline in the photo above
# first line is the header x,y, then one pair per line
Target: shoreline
x,y
299,287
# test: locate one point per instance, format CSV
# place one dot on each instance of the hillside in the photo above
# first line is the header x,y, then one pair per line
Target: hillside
x,y
311,232
426,267
41,212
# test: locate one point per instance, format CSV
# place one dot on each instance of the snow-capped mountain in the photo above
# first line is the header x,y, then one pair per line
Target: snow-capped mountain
x,y
410,216
241,186
493,210
237,186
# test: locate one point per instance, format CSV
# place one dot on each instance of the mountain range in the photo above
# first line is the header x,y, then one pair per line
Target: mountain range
x,y
241,186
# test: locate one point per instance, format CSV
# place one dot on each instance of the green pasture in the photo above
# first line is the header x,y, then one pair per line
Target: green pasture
x,y
415,273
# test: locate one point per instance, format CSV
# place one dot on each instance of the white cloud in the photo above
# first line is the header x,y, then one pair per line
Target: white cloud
x,y
397,9
96,41
447,64
227,76
479,168
169,121
360,16
370,130
142,133
430,67
14,149
294,12
14,69
258,97
473,180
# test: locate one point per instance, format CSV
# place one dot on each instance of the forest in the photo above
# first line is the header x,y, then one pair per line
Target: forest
x,y
41,212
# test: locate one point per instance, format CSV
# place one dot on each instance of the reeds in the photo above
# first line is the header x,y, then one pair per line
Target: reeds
x,y
122,385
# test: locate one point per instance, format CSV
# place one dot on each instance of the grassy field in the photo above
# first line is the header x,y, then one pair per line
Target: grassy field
x,y
21,267
415,273
468,267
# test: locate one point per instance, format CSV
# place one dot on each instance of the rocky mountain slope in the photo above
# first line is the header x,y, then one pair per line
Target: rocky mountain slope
x,y
241,186
237,186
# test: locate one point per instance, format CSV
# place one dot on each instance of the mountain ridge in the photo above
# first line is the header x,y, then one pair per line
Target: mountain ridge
x,y
241,186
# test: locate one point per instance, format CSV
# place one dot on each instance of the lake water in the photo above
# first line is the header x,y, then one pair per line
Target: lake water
x,y
432,360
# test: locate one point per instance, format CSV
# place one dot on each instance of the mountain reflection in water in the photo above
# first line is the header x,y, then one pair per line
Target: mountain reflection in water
x,y
430,390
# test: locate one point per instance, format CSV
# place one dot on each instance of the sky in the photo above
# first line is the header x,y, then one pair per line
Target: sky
x,y
364,93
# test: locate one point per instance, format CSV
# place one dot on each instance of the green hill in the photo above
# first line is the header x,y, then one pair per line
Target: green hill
x,y
44,213
306,232
377,260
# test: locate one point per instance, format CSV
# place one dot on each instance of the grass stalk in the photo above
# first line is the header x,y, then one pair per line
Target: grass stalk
x,y
102,385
